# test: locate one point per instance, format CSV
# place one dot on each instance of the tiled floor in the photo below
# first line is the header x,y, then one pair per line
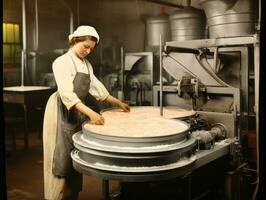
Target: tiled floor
x,y
24,173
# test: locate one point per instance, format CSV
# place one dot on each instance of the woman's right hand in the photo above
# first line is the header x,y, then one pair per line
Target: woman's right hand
x,y
96,119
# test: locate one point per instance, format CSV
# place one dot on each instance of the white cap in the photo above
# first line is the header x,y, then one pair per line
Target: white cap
x,y
84,31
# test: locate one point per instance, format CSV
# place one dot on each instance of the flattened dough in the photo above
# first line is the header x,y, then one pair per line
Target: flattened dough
x,y
141,121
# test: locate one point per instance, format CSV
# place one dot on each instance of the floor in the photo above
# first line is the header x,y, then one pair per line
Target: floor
x,y
24,173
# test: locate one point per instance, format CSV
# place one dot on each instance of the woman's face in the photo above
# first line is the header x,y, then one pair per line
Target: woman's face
x,y
82,49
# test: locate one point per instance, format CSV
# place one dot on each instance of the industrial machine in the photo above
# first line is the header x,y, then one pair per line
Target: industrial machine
x,y
138,77
216,78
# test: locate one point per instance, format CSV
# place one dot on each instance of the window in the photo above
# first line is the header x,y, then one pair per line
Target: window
x,y
11,44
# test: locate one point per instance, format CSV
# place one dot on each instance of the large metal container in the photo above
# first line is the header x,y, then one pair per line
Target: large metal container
x,y
156,26
188,24
140,148
229,18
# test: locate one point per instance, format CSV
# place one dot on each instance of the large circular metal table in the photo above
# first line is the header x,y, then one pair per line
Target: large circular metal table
x,y
138,146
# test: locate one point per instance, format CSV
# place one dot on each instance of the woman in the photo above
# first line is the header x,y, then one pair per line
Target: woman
x,y
67,109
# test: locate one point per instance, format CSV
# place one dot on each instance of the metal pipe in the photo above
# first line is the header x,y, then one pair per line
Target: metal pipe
x,y
257,86
141,89
122,68
78,12
35,45
36,42
22,68
71,20
258,26
215,60
24,41
105,189
189,184
161,78
120,93
71,23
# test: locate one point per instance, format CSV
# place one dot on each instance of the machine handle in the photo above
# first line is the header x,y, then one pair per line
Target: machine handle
x,y
181,50
169,49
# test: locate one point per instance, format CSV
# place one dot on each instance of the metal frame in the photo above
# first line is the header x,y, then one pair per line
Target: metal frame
x,y
235,92
218,42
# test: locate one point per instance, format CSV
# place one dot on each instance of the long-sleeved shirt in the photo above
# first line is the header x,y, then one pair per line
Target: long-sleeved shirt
x,y
64,72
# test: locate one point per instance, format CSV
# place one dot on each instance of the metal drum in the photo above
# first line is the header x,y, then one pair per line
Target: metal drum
x,y
156,26
229,18
188,24
139,144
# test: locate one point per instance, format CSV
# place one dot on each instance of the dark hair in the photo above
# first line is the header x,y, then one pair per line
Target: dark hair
x,y
75,40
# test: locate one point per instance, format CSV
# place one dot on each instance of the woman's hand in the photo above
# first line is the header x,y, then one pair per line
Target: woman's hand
x,y
125,107
96,119
118,103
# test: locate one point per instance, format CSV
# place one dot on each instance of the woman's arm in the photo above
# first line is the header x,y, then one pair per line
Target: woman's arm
x,y
118,103
94,117
64,74
98,90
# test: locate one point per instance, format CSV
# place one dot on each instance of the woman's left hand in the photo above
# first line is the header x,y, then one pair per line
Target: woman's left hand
x,y
124,106
118,103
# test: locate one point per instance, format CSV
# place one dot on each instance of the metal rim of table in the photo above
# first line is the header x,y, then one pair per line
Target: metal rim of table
x,y
132,170
121,147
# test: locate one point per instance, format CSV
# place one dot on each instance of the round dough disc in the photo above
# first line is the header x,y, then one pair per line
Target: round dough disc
x,y
141,122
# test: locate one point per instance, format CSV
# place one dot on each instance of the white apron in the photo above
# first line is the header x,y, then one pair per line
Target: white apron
x,y
53,186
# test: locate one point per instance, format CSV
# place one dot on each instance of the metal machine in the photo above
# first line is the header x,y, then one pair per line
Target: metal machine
x,y
138,77
215,77
134,80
